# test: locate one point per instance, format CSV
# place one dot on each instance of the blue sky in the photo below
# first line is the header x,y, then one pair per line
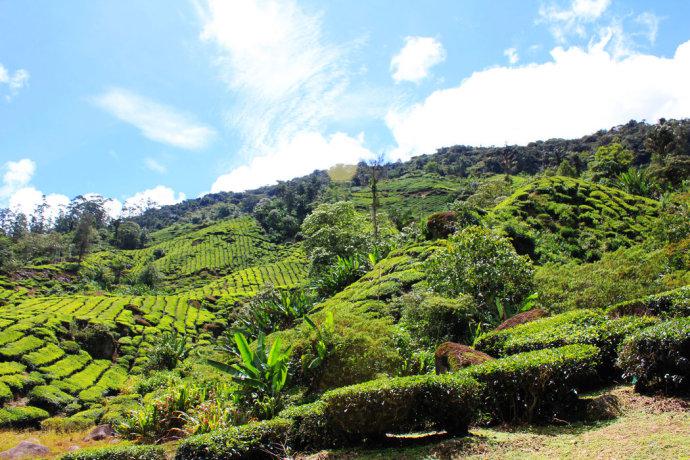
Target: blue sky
x,y
160,100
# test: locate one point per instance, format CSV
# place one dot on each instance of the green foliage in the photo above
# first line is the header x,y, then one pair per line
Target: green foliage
x,y
95,338
399,405
261,373
271,310
565,218
479,262
150,276
50,398
538,385
431,319
170,350
636,182
118,453
335,230
340,274
625,274
21,416
667,304
576,327
658,357
255,440
609,161
129,236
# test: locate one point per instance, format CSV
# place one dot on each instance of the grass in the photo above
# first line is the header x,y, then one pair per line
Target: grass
x,y
650,428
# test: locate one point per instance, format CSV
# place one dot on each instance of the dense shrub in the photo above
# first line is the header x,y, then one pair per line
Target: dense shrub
x,y
118,453
441,224
399,405
575,327
96,339
666,304
258,440
50,398
334,230
432,319
479,262
658,357
622,275
21,416
536,386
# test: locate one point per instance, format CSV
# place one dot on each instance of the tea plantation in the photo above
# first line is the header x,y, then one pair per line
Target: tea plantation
x,y
365,318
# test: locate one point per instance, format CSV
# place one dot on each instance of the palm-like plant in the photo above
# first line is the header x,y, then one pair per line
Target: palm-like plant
x,y
636,181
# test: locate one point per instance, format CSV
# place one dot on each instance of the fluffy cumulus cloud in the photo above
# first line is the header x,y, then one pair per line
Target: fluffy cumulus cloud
x,y
416,58
17,193
20,196
580,90
304,153
158,122
11,83
151,198
287,84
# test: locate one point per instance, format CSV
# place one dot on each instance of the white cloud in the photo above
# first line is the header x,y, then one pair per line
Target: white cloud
x,y
19,196
272,56
155,166
17,175
288,86
14,82
151,198
156,121
416,58
304,153
579,91
512,55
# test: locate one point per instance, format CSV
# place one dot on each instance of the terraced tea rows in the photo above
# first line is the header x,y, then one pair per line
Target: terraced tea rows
x,y
191,259
40,363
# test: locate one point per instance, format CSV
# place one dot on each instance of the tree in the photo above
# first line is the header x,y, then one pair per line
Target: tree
x,y
85,235
334,230
481,263
376,168
567,169
128,235
150,276
609,161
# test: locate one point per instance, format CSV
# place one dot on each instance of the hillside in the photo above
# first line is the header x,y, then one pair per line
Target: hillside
x,y
495,291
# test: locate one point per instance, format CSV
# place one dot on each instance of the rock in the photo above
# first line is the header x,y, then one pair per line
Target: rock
x,y
141,321
25,449
100,432
522,318
452,357
134,309
73,448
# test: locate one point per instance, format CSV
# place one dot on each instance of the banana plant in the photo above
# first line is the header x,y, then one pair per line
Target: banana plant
x,y
263,371
323,336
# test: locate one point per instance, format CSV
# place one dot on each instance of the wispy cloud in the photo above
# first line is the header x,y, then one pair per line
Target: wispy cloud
x,y
158,122
573,18
13,81
287,82
155,166
415,59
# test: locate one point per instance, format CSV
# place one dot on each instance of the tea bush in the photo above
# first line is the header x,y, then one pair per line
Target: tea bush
x,y
537,385
667,304
118,453
576,327
658,357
